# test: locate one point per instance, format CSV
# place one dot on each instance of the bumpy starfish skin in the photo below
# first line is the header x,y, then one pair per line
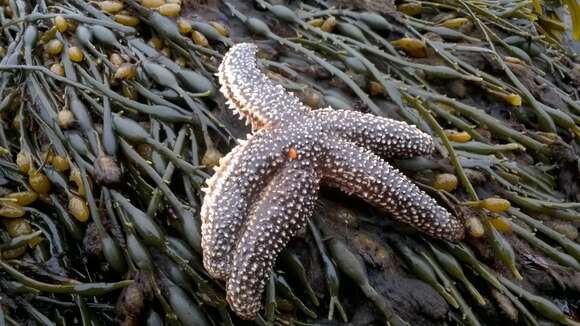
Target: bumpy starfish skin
x,y
385,137
264,190
279,214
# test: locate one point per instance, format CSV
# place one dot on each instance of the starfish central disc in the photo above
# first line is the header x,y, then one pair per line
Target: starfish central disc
x,y
264,190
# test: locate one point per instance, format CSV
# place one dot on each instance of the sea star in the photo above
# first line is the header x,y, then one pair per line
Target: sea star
x,y
264,190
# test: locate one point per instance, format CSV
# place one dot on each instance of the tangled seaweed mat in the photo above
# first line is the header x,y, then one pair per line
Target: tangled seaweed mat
x,y
101,160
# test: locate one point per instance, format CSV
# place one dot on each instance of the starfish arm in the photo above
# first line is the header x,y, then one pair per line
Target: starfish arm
x,y
251,93
230,192
286,205
362,173
385,137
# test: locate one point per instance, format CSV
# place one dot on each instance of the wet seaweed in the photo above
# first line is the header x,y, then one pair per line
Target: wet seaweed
x,y
110,122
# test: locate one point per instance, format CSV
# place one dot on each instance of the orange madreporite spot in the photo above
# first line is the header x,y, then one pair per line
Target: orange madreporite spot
x,y
292,153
